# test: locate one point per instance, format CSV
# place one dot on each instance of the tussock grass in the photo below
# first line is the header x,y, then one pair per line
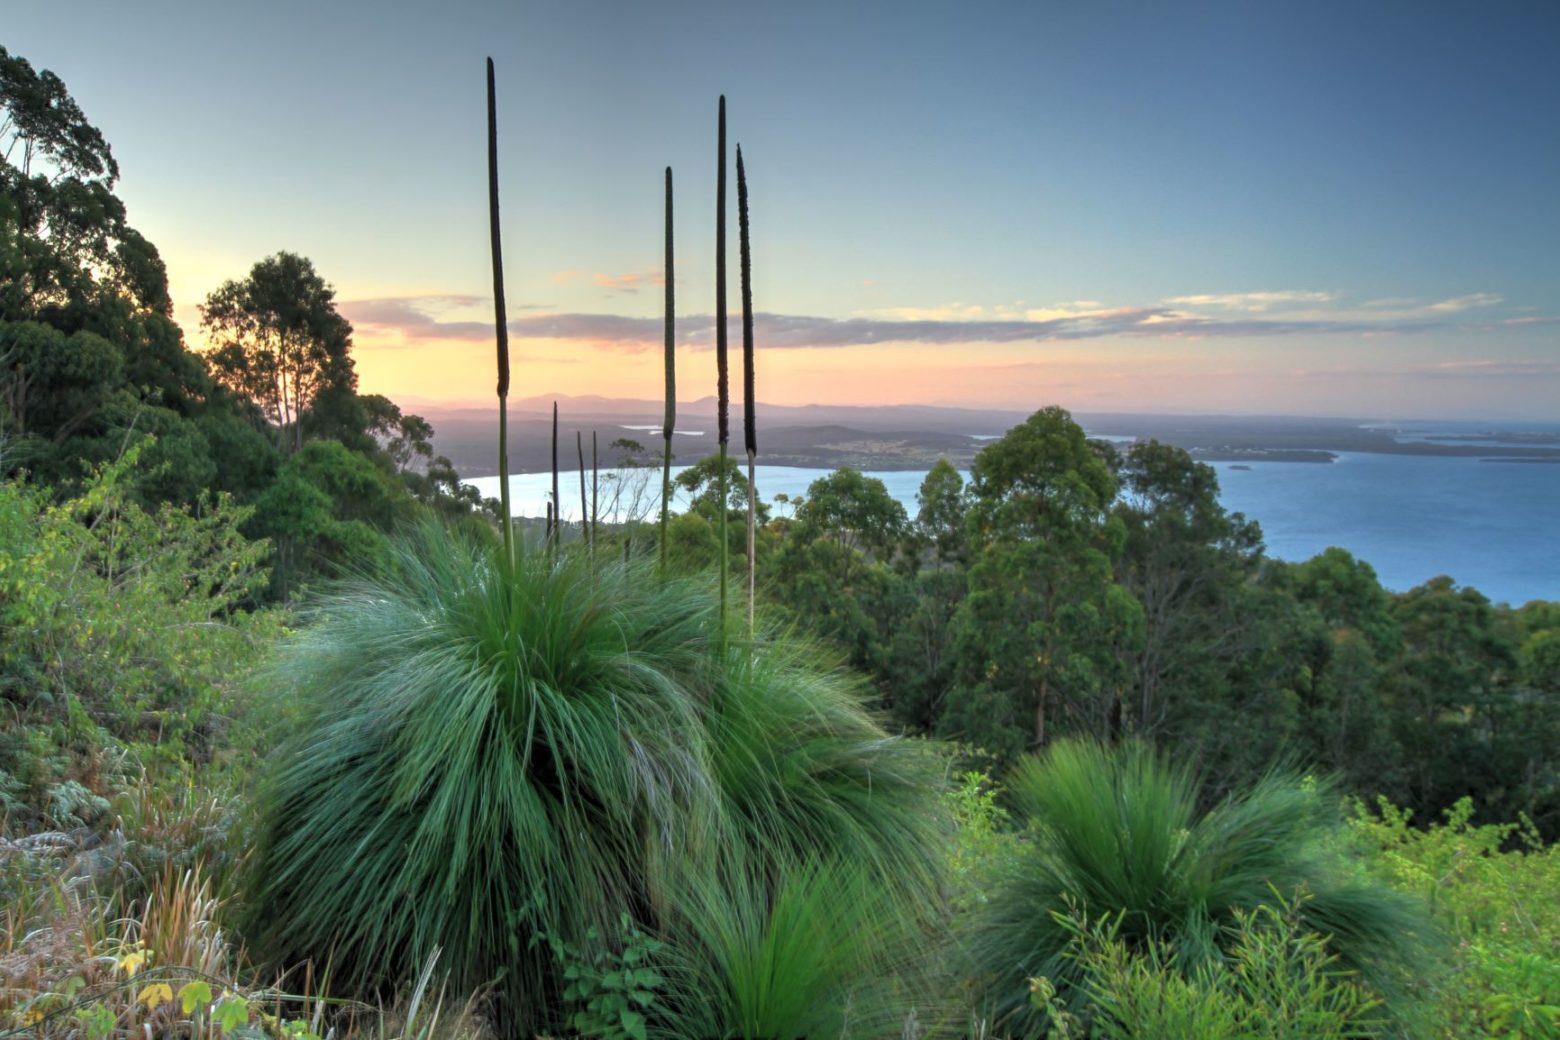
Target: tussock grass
x,y
1117,832
822,950
490,754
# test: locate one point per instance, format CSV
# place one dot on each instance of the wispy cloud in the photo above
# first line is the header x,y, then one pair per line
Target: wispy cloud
x,y
628,283
1254,302
946,312
417,317
421,318
1462,303
1494,369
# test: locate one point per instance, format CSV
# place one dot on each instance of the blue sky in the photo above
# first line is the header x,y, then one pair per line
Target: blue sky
x,y
1317,208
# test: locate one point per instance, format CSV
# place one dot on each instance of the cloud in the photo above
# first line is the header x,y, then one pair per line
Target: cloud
x,y
616,283
1463,303
1322,306
1254,301
807,331
413,317
947,312
1494,369
420,318
628,283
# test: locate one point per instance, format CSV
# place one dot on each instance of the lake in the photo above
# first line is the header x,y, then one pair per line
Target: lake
x,y
1492,525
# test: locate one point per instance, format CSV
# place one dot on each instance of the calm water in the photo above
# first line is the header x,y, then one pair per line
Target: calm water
x,y
1492,525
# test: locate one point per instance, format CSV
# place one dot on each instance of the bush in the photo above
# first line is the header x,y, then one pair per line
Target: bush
x,y
119,630
493,754
824,949
1493,888
1279,981
1117,833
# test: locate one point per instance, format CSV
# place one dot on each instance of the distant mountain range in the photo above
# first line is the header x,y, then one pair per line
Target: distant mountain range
x,y
904,437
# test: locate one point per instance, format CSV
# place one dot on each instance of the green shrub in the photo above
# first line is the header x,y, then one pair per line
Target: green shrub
x,y
610,992
1494,888
1278,980
120,630
983,840
1117,833
824,949
488,754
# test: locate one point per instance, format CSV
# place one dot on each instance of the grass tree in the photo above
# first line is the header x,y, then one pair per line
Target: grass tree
x,y
554,529
722,383
490,754
749,420
818,950
499,320
499,759
585,539
1116,834
669,422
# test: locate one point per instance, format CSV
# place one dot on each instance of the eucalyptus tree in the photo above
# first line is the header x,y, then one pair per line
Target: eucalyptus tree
x,y
279,342
1185,559
89,353
1044,622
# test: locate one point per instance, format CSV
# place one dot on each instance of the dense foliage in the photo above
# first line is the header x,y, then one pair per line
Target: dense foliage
x,y
122,632
492,756
1071,588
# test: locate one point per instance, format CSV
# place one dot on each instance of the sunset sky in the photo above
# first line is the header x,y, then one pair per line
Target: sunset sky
x,y
1318,208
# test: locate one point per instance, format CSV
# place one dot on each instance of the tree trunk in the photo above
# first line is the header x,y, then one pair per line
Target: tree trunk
x,y
1044,695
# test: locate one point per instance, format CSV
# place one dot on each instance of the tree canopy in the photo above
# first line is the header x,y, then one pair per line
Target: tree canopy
x,y
278,342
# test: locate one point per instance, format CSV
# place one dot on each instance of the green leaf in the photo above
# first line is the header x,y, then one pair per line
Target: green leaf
x,y
230,1012
194,994
633,1024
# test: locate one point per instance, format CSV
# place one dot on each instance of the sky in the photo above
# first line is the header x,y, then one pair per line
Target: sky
x,y
1248,208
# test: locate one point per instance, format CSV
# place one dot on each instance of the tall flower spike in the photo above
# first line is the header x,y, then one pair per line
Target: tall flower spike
x,y
557,504
722,387
749,422
500,322
579,446
670,423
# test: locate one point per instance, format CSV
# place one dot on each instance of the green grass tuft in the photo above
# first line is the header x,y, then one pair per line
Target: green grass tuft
x,y
1117,832
490,754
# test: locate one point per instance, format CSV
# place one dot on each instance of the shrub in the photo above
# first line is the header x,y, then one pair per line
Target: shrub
x,y
119,630
1493,888
1117,832
824,949
1279,981
493,753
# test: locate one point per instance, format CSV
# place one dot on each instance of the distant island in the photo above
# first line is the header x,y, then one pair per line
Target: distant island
x,y
914,437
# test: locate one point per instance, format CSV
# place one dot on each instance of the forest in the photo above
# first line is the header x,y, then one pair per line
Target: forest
x,y
302,739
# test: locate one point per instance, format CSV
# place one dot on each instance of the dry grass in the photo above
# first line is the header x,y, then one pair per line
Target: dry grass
x,y
70,968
